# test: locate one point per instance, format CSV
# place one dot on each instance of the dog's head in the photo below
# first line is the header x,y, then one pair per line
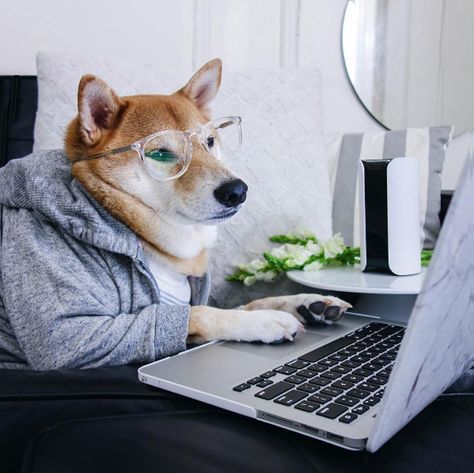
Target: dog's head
x,y
206,193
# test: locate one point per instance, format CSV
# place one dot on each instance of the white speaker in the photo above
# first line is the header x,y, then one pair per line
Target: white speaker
x,y
389,202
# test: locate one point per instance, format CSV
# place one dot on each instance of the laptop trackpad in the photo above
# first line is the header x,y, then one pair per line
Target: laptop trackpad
x,y
280,350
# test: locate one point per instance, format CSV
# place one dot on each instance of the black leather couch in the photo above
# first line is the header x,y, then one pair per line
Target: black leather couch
x,y
104,420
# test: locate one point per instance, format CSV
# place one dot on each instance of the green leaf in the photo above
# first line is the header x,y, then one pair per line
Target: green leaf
x,y
292,239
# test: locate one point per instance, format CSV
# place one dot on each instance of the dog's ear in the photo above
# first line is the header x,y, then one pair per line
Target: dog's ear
x,y
203,86
98,108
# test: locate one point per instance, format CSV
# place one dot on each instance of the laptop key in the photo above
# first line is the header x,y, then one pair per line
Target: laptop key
x,y
326,350
360,409
350,364
295,379
331,391
290,398
340,383
306,373
370,367
241,387
348,418
372,401
390,330
320,381
274,390
319,398
362,372
379,394
328,362
317,368
368,387
358,393
347,401
369,353
285,370
307,406
256,380
298,364
264,383
353,378
268,374
347,351
341,369
331,375
331,411
374,326
378,380
337,357
308,387
377,349
360,359
388,356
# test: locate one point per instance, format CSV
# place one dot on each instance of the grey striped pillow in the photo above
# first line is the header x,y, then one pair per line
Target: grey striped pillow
x,y
427,144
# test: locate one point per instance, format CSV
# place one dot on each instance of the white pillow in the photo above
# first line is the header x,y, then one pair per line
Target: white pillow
x,y
59,75
283,159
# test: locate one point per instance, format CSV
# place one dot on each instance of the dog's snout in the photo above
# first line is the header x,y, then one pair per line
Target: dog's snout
x,y
231,193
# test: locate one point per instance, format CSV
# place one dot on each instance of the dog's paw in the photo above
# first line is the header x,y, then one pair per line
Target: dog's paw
x,y
314,307
267,326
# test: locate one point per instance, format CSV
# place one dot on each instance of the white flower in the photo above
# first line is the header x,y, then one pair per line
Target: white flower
x,y
255,265
249,280
267,276
314,266
280,252
333,246
298,254
313,247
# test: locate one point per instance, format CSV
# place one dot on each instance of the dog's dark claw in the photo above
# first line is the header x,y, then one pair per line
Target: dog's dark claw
x,y
305,313
317,307
332,312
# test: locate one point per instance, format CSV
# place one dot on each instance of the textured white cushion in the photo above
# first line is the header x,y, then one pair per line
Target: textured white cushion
x,y
283,158
283,161
59,75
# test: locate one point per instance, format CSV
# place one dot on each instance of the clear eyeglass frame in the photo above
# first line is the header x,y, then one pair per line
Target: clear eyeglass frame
x,y
201,134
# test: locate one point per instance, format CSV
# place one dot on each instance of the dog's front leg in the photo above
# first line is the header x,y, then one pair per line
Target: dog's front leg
x,y
306,307
268,326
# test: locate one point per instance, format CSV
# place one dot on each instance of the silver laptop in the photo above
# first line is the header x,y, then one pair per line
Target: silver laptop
x,y
356,383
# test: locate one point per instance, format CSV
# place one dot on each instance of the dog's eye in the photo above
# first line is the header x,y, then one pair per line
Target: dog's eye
x,y
161,154
210,142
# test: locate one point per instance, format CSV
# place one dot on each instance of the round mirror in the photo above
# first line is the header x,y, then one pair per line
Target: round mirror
x,y
411,63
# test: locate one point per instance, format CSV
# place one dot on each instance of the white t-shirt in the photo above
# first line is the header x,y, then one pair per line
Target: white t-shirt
x,y
174,286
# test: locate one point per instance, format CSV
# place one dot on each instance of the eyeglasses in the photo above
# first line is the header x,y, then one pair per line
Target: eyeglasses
x,y
167,154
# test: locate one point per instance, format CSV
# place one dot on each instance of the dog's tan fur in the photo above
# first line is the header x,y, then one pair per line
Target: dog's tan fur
x,y
106,121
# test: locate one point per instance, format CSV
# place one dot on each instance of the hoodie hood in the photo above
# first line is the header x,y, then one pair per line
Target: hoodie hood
x,y
42,183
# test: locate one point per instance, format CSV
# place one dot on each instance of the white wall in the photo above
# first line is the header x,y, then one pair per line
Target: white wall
x,y
183,34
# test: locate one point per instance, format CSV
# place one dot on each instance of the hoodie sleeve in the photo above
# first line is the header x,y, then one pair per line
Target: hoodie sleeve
x,y
63,306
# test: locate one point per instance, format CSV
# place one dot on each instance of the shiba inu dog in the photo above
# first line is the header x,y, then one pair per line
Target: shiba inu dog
x,y
161,172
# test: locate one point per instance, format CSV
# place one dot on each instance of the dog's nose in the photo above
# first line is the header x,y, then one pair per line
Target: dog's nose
x,y
231,193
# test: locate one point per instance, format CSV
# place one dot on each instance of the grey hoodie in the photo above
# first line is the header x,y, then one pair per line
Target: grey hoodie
x,y
75,288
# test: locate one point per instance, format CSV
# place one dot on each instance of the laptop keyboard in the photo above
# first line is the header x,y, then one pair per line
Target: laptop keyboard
x,y
341,380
